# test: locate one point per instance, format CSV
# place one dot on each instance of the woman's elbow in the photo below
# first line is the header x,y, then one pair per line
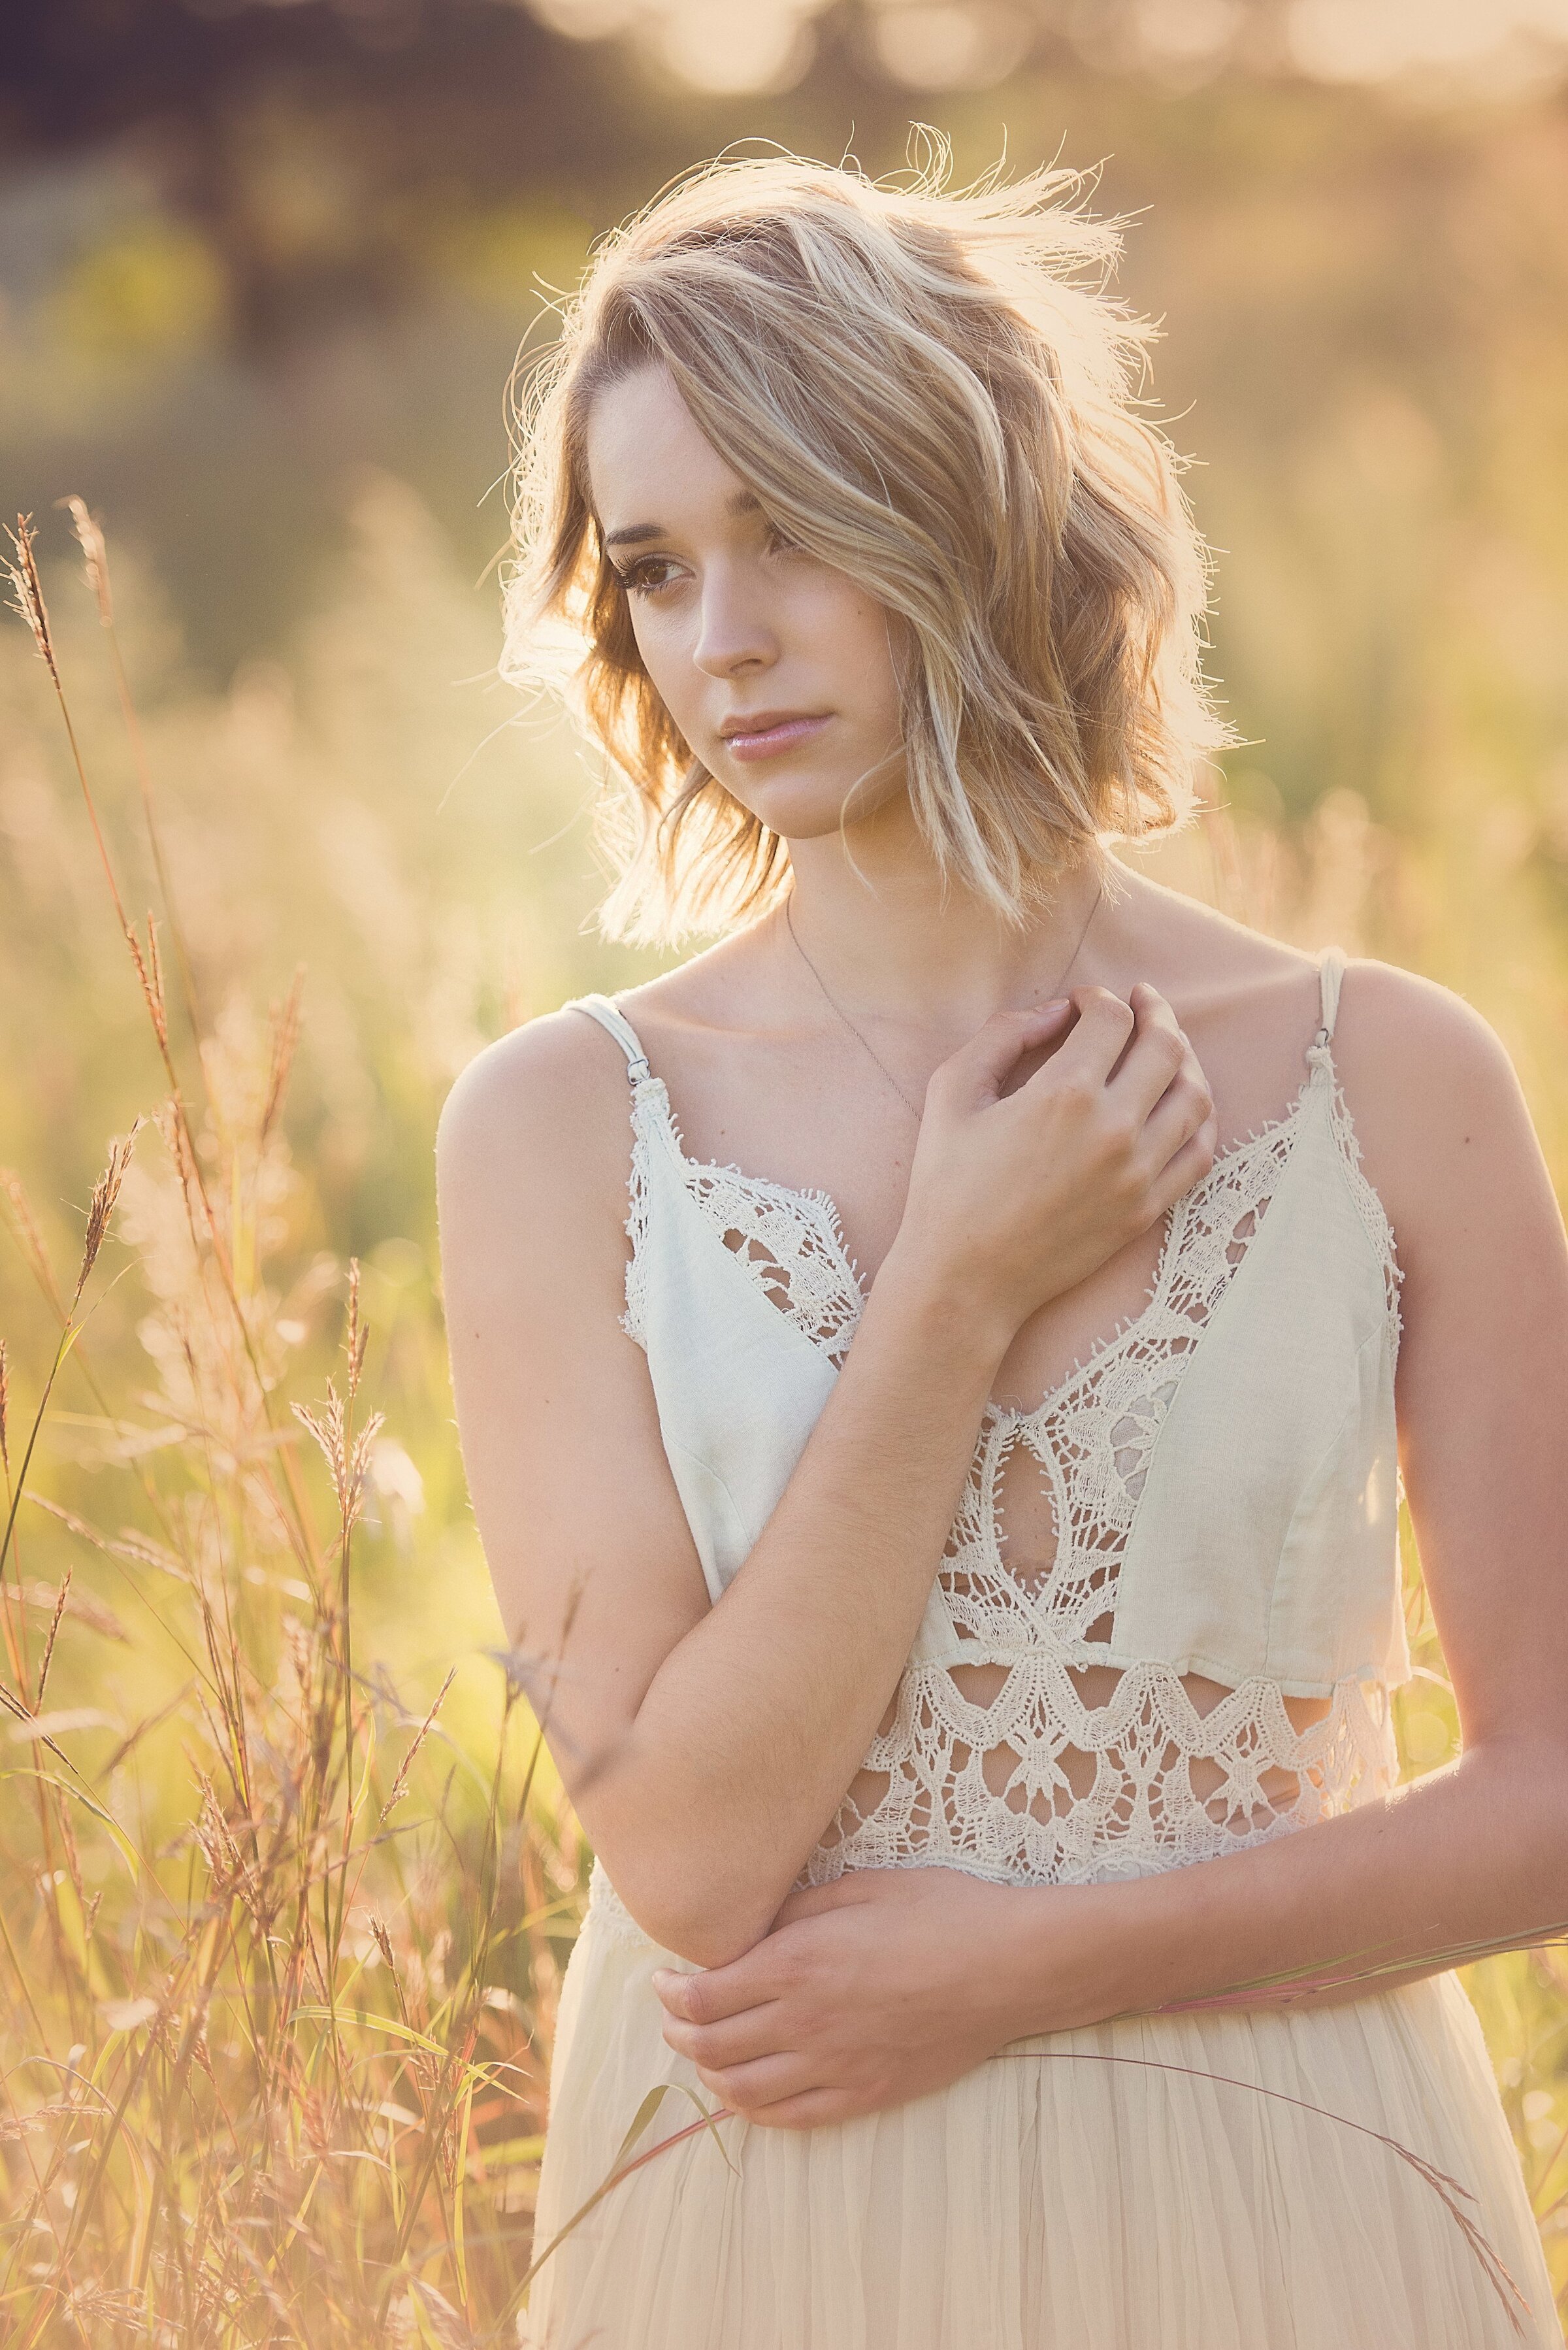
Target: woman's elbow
x,y
704,1923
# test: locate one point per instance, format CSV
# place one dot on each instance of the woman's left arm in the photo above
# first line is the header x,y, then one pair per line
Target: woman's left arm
x,y
890,1984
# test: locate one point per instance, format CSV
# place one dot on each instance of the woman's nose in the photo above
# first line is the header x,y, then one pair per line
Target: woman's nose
x,y
734,632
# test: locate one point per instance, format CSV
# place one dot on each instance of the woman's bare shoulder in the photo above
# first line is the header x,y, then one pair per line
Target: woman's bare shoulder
x,y
537,1122
1393,1024
1437,1105
1418,1047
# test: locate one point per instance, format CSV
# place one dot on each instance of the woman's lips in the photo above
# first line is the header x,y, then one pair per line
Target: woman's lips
x,y
765,741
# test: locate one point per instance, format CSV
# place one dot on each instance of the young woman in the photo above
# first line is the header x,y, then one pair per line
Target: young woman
x,y
952,1494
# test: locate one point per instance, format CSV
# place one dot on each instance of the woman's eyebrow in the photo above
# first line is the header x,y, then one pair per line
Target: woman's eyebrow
x,y
740,501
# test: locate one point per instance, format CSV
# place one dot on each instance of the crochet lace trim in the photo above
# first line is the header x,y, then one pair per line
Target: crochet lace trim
x,y
790,1242
1034,1759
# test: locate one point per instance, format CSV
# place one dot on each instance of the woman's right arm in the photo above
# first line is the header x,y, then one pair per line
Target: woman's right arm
x,y
706,1749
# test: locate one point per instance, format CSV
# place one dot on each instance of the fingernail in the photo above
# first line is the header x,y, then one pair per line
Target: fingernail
x,y
662,1975
1057,1003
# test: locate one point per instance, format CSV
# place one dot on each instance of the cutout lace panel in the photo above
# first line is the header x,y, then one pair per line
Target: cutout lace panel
x,y
1036,1786
1034,1759
789,1241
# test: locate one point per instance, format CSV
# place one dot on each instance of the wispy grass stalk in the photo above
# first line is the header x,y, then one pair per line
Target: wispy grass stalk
x,y
94,561
247,2146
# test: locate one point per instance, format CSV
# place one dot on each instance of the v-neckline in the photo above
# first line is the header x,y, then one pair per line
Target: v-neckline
x,y
1106,1347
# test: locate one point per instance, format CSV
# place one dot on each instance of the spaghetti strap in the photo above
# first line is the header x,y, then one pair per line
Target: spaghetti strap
x,y
615,1021
1330,973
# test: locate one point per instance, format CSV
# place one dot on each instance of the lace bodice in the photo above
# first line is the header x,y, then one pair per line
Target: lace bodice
x,y
1024,1752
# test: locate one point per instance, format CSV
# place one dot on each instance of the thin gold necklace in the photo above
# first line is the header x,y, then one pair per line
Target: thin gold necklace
x,y
839,1013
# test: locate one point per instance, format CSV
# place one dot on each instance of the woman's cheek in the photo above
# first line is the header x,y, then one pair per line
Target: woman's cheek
x,y
666,657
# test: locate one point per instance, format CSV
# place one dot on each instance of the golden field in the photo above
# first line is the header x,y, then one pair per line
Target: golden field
x,y
283,1911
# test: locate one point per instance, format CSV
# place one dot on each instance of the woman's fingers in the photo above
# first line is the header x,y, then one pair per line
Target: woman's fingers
x,y
1097,1041
1184,1108
714,1993
975,1073
1101,1026
1189,1166
746,2088
733,2040
1017,1200
1158,1053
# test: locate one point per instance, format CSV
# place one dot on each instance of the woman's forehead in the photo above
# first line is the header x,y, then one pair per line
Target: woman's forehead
x,y
649,464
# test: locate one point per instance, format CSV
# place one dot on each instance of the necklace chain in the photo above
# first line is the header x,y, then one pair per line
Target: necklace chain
x,y
864,1042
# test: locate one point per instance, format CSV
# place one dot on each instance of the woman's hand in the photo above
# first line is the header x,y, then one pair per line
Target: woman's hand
x,y
885,1987
1016,1197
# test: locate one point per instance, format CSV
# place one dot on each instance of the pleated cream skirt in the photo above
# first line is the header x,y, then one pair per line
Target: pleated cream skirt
x,y
1049,2200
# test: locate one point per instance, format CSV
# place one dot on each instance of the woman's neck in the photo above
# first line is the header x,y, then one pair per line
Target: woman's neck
x,y
891,941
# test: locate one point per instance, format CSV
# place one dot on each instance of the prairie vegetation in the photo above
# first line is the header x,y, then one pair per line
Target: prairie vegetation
x,y
289,1881
286,1884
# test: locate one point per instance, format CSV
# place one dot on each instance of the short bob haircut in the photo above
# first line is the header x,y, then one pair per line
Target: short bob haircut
x,y
932,391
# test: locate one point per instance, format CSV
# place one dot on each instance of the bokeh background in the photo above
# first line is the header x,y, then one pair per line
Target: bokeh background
x,y
265,269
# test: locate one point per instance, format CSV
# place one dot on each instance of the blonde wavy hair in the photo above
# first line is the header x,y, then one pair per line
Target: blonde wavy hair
x,y
932,391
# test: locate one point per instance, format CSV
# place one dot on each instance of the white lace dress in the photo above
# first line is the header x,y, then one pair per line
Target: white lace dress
x,y
1165,1626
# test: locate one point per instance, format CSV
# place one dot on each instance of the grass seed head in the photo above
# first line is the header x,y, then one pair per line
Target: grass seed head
x,y
354,1342
95,556
284,1038
401,1783
105,1193
347,1455
149,974
61,1597
27,591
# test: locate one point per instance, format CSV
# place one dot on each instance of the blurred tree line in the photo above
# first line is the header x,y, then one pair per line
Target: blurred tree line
x,y
247,247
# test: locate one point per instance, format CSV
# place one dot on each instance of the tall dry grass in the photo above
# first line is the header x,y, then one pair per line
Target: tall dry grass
x,y
280,1944
275,2025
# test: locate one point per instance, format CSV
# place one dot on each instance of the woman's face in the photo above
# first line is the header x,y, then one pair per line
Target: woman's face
x,y
777,670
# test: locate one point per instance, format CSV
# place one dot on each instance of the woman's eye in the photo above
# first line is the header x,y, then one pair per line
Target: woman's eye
x,y
648,576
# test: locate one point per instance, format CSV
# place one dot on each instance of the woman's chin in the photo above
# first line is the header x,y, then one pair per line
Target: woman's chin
x,y
800,806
